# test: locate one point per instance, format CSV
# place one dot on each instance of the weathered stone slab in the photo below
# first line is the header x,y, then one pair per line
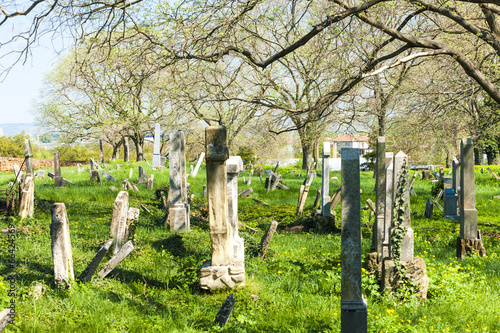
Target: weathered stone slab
x,y
266,239
177,194
27,203
353,305
116,259
62,255
97,260
118,229
225,311
325,184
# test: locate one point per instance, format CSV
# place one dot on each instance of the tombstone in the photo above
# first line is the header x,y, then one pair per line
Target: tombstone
x,y
177,195
91,268
116,259
204,191
58,180
234,166
380,188
40,173
27,203
334,150
118,229
353,306
94,175
469,239
389,200
17,173
28,155
143,176
156,149
401,163
108,177
325,183
455,168
223,270
62,255
151,182
429,207
92,164
198,164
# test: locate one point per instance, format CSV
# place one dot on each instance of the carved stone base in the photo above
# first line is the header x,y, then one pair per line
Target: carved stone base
x,y
220,277
416,271
467,246
372,262
325,223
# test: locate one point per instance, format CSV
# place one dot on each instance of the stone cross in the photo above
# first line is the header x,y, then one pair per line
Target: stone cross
x,y
156,149
28,154
468,211
58,180
353,306
62,255
389,200
325,183
234,166
177,194
400,161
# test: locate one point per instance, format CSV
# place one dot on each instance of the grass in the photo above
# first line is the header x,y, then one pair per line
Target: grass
x,y
296,289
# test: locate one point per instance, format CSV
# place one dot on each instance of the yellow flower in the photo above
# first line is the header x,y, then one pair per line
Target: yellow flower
x,y
389,310
376,317
279,272
335,314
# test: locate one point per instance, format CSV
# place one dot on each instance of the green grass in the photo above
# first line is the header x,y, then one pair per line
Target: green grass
x,y
296,289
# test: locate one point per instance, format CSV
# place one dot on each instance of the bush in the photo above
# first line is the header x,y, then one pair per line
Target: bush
x,y
13,146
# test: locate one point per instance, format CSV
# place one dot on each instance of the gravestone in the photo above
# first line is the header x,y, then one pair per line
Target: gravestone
x,y
58,180
204,191
17,172
62,255
143,176
97,260
177,195
450,200
156,149
118,229
429,207
27,203
108,177
469,239
222,270
198,164
400,164
40,173
353,306
325,181
234,166
28,154
116,259
380,189
389,200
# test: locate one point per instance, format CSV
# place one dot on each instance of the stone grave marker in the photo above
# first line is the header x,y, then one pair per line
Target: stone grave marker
x,y
118,228
58,180
234,167
116,259
325,183
353,306
143,176
177,195
62,255
222,270
28,155
469,239
156,149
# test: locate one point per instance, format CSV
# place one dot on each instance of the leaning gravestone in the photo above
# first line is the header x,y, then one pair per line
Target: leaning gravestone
x,y
28,154
177,194
143,177
198,164
470,239
222,270
353,306
118,229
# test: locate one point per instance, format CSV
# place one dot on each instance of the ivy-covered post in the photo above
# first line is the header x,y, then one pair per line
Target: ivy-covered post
x,y
389,199
380,187
402,231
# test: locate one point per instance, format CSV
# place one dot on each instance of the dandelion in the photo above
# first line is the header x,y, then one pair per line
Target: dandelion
x,y
389,311
376,317
335,314
279,272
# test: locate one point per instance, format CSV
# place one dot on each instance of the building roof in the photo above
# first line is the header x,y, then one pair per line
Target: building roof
x,y
351,138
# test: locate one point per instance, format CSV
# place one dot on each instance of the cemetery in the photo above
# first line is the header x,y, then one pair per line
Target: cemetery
x,y
176,250
250,166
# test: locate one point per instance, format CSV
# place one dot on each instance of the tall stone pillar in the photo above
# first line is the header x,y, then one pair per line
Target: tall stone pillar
x,y
380,189
353,306
469,240
223,270
58,180
156,149
177,194
234,167
325,184
389,200
400,163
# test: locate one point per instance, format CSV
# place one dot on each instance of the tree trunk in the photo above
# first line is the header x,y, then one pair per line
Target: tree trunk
x,y
307,154
126,149
116,151
139,145
381,123
478,156
316,152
